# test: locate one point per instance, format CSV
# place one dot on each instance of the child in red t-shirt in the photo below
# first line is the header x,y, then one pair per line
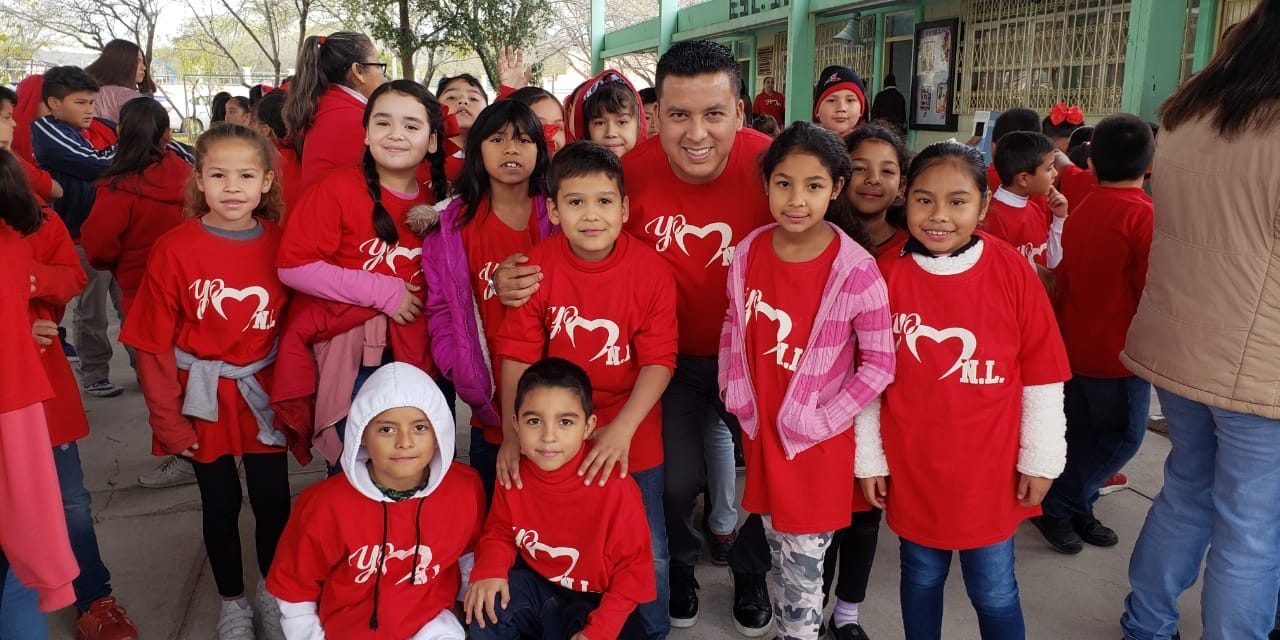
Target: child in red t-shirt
x,y
498,214
463,98
805,298
42,183
609,111
577,552
974,334
607,302
348,244
139,198
1100,282
204,324
382,550
1027,165
547,107
268,118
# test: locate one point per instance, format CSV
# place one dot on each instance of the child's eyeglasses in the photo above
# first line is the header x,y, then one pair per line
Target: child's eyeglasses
x,y
382,66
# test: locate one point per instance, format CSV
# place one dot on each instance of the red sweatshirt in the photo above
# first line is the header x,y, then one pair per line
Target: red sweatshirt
x,y
1105,245
584,538
289,173
59,278
22,378
611,318
39,179
695,227
335,138
129,215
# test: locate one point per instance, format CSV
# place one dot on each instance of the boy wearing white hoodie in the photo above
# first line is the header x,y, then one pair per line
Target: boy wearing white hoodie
x,y
381,550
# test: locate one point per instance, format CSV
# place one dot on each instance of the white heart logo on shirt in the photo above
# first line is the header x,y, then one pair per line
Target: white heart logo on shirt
x,y
401,252
968,343
725,231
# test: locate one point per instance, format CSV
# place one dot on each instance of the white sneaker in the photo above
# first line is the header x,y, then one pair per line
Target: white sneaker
x,y
235,621
269,609
171,473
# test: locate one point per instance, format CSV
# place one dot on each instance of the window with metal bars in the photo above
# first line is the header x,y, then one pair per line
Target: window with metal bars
x,y
1234,11
1189,39
1036,53
830,52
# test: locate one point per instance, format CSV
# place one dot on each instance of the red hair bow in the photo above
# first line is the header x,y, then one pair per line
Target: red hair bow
x,y
1062,113
321,40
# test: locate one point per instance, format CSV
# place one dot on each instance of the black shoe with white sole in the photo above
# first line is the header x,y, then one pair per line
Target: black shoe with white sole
x,y
752,613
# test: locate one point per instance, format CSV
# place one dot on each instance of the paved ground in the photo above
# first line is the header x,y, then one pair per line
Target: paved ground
x,y
150,540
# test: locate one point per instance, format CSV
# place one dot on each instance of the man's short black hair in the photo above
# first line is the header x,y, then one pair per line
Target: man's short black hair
x,y
1021,152
1122,148
556,373
8,95
1015,119
60,82
696,57
648,96
610,97
584,157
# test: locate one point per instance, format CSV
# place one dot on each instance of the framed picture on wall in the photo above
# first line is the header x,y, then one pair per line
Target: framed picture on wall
x,y
933,80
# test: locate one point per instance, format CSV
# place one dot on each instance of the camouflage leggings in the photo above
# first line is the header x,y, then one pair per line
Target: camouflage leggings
x,y
796,578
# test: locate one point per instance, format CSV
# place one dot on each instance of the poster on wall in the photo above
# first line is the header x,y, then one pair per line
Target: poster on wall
x,y
933,80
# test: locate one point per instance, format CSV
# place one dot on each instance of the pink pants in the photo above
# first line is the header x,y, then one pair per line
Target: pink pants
x,y
33,529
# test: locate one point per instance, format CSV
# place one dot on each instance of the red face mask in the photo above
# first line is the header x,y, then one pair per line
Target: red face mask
x,y
451,129
549,132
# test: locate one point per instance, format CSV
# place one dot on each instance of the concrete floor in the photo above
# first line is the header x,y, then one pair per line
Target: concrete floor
x,y
150,540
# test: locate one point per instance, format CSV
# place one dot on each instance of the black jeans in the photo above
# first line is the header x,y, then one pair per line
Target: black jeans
x,y
267,477
691,405
853,550
1106,421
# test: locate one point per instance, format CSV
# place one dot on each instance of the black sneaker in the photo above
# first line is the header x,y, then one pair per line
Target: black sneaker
x,y
1059,534
720,546
684,597
1092,531
848,632
752,613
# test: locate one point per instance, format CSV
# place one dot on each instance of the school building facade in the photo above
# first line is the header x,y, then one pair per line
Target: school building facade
x,y
952,59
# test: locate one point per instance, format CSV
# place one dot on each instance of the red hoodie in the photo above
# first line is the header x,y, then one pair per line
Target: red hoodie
x,y
575,114
24,113
335,138
129,215
58,279
582,537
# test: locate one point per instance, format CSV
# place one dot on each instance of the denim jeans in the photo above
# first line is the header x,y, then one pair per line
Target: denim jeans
x,y
1106,420
988,578
656,616
722,479
1221,493
94,581
539,609
20,615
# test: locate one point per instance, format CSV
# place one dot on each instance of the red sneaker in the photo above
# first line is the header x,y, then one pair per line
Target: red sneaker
x,y
1117,482
105,620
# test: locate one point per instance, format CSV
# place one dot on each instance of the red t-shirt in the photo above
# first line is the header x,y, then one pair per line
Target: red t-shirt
x,y
289,173
217,299
39,179
1026,229
488,241
333,141
582,537
993,183
813,492
771,104
59,278
610,317
22,378
333,544
951,419
893,246
333,223
1076,183
1105,245
695,228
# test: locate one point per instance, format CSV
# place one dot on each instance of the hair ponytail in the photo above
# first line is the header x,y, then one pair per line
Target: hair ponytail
x,y
383,226
322,61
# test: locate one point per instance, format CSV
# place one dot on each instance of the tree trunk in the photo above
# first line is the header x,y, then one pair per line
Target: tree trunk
x,y
406,36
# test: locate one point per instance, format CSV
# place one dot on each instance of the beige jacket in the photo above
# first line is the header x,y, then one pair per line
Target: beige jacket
x,y
1208,325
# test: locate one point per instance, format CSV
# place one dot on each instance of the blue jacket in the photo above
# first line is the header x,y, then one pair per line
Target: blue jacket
x,y
74,163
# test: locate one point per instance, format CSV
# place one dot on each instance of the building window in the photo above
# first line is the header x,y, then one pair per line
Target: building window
x,y
1234,11
829,51
1035,54
1189,39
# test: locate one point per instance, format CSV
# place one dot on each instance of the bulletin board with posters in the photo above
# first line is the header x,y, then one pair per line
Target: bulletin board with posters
x,y
933,82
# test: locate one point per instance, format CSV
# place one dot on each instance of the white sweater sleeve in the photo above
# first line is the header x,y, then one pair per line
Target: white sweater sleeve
x,y
442,627
1055,243
300,621
1043,443
868,458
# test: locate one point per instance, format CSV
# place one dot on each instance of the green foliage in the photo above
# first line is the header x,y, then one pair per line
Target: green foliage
x,y
486,26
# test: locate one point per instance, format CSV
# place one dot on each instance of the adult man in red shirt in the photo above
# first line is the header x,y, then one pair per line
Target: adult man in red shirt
x,y
771,103
694,191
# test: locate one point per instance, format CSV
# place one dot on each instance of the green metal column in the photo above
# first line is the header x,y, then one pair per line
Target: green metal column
x,y
597,36
801,26
666,24
752,90
911,133
876,82
1152,57
1206,34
